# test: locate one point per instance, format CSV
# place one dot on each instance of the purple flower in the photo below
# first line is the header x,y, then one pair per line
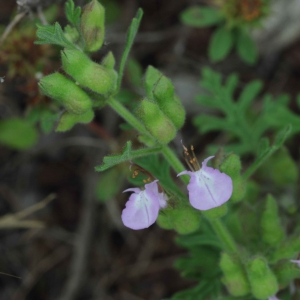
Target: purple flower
x,y
143,206
208,187
273,298
296,262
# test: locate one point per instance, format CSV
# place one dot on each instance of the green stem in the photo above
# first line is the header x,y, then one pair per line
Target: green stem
x,y
223,234
128,116
172,158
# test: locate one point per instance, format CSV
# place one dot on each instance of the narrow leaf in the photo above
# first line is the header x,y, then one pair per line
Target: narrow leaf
x,y
127,154
17,133
220,44
199,16
248,94
52,34
246,47
279,140
132,31
72,13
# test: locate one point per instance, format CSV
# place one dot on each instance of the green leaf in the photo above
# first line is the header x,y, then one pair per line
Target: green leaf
x,y
279,140
132,31
199,16
72,13
127,154
47,121
249,93
197,239
109,184
17,133
52,34
220,44
246,47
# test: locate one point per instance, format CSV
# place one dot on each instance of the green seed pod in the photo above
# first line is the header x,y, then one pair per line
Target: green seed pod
x,y
239,189
151,77
231,165
164,220
235,277
161,89
174,110
262,280
87,73
66,92
216,213
68,120
157,123
287,249
185,220
272,231
92,25
285,272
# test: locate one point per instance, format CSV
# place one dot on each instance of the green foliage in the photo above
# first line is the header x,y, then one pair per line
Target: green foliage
x,y
272,231
132,31
127,155
244,129
200,16
73,13
109,184
53,34
246,48
17,134
220,44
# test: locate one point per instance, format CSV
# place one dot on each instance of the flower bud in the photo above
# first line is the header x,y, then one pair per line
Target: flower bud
x,y
286,272
231,165
262,280
151,77
216,213
68,120
160,88
239,189
71,96
157,123
235,277
185,220
287,249
92,25
164,220
272,231
86,72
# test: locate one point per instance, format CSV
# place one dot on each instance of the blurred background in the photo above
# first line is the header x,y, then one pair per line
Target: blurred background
x,y
61,233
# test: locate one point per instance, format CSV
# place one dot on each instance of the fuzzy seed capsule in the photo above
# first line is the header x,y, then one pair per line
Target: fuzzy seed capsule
x,y
92,25
272,231
87,73
68,120
157,123
262,280
235,277
160,89
66,92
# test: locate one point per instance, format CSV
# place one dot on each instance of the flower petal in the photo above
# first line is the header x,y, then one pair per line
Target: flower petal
x,y
142,208
208,187
295,261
